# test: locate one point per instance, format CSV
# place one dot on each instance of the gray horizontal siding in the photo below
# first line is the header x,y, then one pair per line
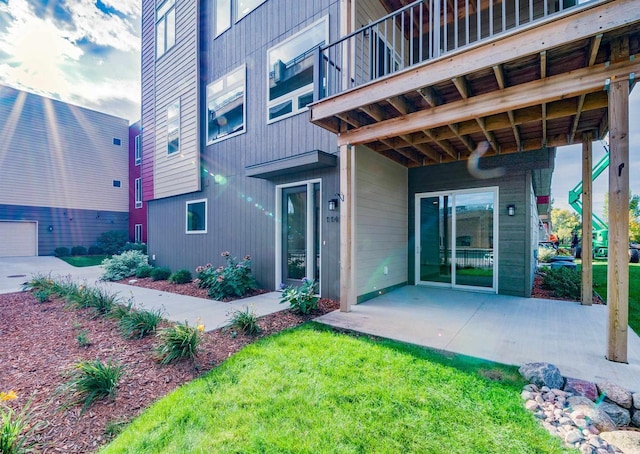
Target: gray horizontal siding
x,y
71,227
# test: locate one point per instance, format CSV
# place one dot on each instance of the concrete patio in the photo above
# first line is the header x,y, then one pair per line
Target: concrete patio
x,y
500,328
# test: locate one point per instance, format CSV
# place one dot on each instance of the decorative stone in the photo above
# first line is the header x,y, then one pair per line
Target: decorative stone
x,y
527,395
636,400
531,387
615,393
579,387
620,416
575,401
628,441
531,405
573,436
133,281
635,419
542,374
596,416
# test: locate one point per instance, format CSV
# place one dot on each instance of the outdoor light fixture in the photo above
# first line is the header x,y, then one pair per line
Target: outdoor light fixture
x,y
50,228
333,204
511,210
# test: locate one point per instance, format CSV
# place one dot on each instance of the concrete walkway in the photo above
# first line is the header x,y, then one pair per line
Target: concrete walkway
x,y
499,328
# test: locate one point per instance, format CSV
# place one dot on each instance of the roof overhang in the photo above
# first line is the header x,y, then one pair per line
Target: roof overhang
x,y
310,160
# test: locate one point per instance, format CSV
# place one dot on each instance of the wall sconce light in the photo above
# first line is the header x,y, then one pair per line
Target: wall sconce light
x,y
333,204
511,210
50,228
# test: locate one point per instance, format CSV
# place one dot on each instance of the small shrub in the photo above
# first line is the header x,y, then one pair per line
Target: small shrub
x,y
545,254
66,288
61,251
140,323
39,282
135,247
97,298
234,279
563,281
95,250
246,321
42,295
92,380
178,342
160,273
78,250
113,241
15,427
121,310
181,277
144,271
301,299
123,265
83,338
114,427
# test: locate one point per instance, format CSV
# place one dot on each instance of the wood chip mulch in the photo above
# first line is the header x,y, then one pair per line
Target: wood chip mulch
x,y
540,292
39,346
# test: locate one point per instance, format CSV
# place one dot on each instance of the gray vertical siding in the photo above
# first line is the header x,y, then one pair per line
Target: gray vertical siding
x,y
148,108
514,247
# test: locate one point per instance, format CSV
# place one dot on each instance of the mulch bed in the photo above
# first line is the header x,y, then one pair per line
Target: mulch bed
x,y
540,292
39,346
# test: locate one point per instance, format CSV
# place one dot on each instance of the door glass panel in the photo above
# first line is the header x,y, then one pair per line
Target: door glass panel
x,y
294,231
474,239
316,231
435,233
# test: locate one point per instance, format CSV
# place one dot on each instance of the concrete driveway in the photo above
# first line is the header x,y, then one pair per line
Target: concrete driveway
x,y
14,271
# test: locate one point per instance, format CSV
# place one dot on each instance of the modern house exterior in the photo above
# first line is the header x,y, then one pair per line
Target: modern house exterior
x,y
437,123
63,174
137,207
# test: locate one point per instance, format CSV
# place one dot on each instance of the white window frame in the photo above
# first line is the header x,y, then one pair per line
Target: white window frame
x,y
216,15
164,10
293,96
223,79
186,217
236,7
138,192
137,233
172,119
137,150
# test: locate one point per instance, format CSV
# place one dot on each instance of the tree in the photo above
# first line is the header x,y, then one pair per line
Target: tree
x,y
564,223
634,215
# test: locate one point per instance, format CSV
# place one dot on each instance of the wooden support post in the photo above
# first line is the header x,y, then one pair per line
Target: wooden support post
x,y
587,220
347,244
618,270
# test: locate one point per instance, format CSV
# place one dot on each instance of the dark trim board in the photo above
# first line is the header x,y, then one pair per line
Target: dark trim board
x,y
372,295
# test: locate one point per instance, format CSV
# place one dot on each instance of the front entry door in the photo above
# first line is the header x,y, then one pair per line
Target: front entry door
x,y
456,235
300,233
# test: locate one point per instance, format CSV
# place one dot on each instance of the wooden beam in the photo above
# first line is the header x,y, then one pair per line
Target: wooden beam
x,y
576,118
571,84
462,86
593,49
400,104
618,269
375,112
347,230
587,220
442,144
499,74
543,64
543,75
589,21
491,138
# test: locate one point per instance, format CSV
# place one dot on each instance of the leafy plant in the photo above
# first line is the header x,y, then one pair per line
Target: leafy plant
x,y
78,250
114,427
563,281
144,271
135,247
182,276
61,251
113,241
160,273
95,250
246,321
14,426
178,342
97,298
83,338
121,310
38,282
92,380
234,279
545,254
42,295
301,299
139,323
123,265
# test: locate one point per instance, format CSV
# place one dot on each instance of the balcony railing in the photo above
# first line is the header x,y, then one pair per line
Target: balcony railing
x,y
419,32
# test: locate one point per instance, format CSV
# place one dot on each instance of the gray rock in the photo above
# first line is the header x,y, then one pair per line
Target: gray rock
x,y
573,436
627,441
579,387
527,395
531,405
542,374
620,416
636,400
635,419
615,393
575,401
595,416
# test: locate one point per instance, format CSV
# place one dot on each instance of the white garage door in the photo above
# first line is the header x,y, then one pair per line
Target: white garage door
x,y
18,239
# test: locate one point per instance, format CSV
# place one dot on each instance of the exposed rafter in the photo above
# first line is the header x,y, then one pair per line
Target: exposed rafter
x,y
499,73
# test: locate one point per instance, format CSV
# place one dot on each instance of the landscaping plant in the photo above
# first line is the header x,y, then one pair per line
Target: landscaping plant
x,y
182,276
301,299
234,279
123,265
92,380
83,338
178,342
14,426
144,271
161,273
61,251
135,247
246,321
545,254
78,250
113,241
139,323
97,298
563,281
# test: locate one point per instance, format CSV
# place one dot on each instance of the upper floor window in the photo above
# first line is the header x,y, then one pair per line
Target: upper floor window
x,y
165,26
222,15
173,127
138,150
138,192
290,71
244,7
225,106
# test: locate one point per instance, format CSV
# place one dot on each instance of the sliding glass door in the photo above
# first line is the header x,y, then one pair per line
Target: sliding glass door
x,y
456,234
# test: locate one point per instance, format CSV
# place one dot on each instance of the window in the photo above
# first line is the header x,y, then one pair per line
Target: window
x,y
138,150
138,233
225,106
138,192
173,127
116,183
290,72
197,216
165,26
222,15
244,7
117,141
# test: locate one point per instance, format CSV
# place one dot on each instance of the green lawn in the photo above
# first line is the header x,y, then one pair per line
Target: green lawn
x,y
84,260
600,286
313,390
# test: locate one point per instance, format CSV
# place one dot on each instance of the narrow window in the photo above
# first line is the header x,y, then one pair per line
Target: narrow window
x,y
244,7
226,106
290,72
138,233
165,26
222,16
196,218
138,192
173,127
117,141
116,183
138,150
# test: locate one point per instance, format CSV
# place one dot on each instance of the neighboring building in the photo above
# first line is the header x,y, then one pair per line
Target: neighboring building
x,y
231,163
63,174
137,207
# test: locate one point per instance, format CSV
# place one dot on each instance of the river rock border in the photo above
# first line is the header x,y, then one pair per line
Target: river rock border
x,y
596,418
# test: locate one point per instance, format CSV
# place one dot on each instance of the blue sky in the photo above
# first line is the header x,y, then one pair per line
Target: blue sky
x,y
86,52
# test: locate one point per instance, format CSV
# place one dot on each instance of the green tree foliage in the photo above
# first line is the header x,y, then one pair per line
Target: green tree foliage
x,y
634,215
564,222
